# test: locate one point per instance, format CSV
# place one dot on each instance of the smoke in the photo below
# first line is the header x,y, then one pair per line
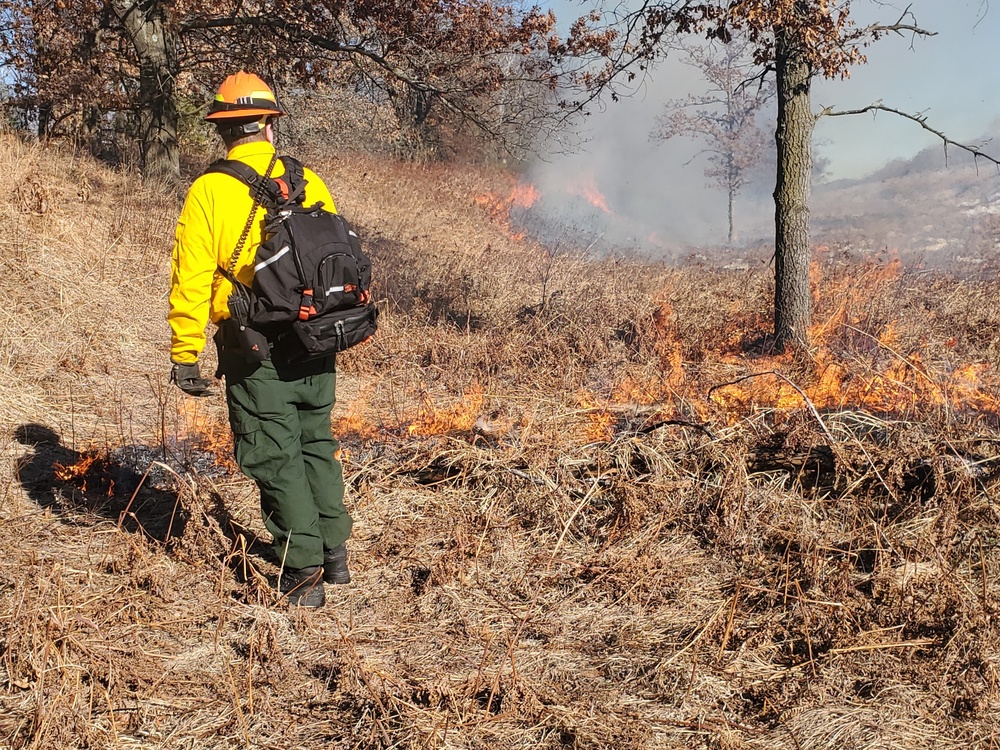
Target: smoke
x,y
654,192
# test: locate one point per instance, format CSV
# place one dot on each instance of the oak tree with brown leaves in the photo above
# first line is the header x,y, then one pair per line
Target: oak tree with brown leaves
x,y
481,64
799,40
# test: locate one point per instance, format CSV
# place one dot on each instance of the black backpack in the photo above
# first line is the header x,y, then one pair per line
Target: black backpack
x,y
311,293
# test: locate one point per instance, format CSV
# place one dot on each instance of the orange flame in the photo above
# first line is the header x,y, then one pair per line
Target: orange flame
x,y
522,195
601,421
207,431
586,188
92,465
79,469
356,423
855,362
459,417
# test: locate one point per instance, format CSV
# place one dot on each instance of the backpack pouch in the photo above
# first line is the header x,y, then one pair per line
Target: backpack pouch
x,y
334,332
338,284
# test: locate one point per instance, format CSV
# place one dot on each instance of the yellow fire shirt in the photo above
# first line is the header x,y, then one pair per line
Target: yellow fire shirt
x,y
214,215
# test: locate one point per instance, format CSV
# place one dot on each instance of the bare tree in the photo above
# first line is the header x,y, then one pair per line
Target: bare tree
x,y
725,117
796,40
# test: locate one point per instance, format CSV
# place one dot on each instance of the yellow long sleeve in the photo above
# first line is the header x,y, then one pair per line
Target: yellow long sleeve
x,y
213,218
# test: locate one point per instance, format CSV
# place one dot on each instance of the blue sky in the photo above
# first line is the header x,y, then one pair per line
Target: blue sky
x,y
953,78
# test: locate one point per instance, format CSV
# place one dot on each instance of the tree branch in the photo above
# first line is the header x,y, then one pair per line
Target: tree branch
x,y
921,120
900,26
318,40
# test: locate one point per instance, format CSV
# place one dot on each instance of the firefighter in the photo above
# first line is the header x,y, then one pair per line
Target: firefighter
x,y
279,412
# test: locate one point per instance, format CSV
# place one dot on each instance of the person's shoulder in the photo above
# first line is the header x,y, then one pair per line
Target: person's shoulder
x,y
212,180
317,191
311,175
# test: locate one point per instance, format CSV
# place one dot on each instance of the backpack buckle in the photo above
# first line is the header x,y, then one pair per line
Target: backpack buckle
x,y
306,307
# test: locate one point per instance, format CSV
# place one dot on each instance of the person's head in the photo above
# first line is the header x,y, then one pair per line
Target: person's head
x,y
244,110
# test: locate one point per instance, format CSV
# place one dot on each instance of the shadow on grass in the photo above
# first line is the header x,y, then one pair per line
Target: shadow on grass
x,y
73,483
131,488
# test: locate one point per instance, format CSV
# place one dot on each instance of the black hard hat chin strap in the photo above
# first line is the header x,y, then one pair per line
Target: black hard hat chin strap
x,y
245,128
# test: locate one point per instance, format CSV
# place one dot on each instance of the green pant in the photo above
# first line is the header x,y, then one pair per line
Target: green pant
x,y
282,440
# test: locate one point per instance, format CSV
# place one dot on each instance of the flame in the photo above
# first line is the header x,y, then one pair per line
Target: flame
x,y
79,469
459,417
601,421
586,188
203,429
92,465
356,423
854,362
522,195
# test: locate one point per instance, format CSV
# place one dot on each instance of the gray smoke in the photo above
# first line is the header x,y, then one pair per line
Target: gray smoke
x,y
657,196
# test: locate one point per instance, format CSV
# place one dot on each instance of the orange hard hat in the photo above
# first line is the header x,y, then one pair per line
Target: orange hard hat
x,y
241,96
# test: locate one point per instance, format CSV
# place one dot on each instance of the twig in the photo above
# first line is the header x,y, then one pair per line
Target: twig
x,y
698,637
793,597
809,403
982,565
528,477
918,643
795,740
128,507
909,363
899,27
729,623
805,624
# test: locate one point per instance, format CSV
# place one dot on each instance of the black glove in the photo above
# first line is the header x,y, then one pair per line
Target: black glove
x,y
189,380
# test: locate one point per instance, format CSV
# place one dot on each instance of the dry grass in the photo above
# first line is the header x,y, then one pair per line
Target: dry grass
x,y
570,531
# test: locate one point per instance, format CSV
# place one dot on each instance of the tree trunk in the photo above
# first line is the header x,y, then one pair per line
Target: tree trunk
x,y
413,108
733,188
793,136
44,118
155,44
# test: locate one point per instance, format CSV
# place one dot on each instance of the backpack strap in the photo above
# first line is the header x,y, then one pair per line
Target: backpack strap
x,y
261,188
290,187
258,191
242,172
293,182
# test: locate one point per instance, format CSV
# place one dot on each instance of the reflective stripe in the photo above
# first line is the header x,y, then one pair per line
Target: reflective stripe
x,y
351,232
284,251
333,289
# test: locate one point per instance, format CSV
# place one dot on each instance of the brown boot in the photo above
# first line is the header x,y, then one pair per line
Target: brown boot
x,y
335,565
303,587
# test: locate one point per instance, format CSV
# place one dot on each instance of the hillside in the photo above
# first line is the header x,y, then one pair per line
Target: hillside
x,y
941,211
591,509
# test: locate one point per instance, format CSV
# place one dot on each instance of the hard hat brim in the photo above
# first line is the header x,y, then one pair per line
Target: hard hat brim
x,y
244,114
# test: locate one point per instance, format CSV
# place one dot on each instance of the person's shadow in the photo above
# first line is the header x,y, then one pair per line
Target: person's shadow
x,y
74,484
131,488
